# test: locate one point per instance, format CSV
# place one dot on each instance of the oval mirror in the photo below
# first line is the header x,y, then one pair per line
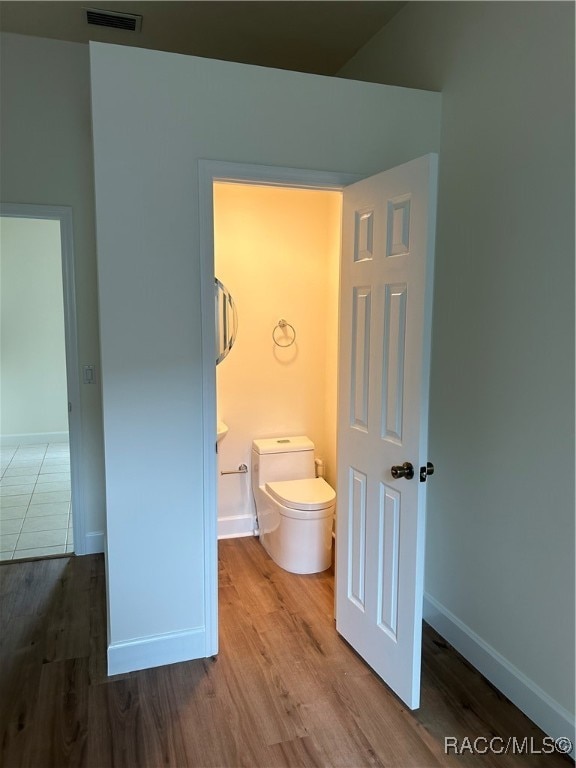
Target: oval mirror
x,y
226,321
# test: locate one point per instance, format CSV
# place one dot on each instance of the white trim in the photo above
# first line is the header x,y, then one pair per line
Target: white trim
x,y
63,214
206,245
34,438
155,651
547,713
94,543
210,171
236,526
273,176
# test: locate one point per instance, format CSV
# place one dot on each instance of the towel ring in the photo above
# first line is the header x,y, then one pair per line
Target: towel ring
x,y
283,324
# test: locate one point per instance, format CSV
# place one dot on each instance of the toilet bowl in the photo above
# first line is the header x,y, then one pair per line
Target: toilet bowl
x,y
295,509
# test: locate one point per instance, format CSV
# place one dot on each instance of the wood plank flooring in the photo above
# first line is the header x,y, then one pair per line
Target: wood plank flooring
x,y
284,691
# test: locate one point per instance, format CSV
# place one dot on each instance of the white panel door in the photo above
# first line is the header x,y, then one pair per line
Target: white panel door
x,y
388,232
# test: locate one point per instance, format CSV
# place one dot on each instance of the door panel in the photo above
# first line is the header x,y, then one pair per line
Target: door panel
x,y
389,544
393,361
357,538
360,368
385,312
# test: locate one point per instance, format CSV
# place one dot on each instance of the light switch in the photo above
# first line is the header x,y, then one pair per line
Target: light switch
x,y
88,374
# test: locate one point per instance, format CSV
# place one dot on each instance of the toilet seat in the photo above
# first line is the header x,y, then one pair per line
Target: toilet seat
x,y
303,496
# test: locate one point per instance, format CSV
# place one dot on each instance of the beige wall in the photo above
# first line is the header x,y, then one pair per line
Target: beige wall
x,y
500,549
277,251
32,359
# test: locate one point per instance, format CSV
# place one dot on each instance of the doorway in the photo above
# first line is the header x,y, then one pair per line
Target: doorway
x,y
39,483
280,377
386,289
210,173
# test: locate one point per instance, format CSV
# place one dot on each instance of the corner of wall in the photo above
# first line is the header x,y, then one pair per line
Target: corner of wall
x,y
547,713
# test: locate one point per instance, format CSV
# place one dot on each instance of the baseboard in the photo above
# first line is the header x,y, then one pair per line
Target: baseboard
x,y
547,713
235,526
34,438
93,543
156,651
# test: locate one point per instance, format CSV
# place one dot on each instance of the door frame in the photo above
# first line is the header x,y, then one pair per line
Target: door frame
x,y
210,171
63,214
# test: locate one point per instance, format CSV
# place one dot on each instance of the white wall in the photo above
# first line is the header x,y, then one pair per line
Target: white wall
x,y
46,149
34,401
500,555
277,251
154,116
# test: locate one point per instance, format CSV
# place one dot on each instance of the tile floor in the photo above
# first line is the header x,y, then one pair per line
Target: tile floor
x,y
35,513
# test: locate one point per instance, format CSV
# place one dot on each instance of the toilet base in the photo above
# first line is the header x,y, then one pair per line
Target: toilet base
x,y
300,546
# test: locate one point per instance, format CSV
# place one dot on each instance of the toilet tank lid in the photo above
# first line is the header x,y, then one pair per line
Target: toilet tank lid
x,y
283,444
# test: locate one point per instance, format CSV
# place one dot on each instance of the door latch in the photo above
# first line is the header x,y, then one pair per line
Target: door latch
x,y
426,471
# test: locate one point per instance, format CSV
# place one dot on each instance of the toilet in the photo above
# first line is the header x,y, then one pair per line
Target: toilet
x,y
295,509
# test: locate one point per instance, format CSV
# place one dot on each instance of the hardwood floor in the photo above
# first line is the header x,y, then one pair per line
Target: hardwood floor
x,y
285,690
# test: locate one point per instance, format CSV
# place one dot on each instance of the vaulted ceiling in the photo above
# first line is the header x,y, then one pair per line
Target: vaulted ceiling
x,y
317,37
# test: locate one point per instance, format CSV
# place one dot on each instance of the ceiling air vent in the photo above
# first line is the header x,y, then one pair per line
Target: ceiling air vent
x,y
101,18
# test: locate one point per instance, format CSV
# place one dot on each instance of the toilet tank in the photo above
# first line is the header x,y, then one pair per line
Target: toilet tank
x,y
282,458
